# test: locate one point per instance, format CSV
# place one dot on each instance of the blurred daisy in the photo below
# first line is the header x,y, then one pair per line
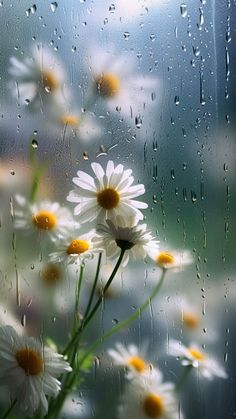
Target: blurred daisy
x,y
195,357
38,79
114,81
50,219
148,397
189,315
125,234
167,259
75,249
130,358
83,125
109,194
29,370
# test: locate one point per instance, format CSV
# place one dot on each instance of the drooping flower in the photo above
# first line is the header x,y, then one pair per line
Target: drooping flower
x,y
169,259
193,356
49,219
147,397
29,370
125,234
116,84
109,194
75,249
39,79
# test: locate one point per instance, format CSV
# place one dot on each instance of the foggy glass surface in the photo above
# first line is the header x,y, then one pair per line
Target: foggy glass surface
x,y
174,126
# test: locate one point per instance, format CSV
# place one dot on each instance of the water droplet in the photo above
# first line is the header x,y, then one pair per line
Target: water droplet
x,y
85,155
34,143
23,320
12,172
115,321
138,121
126,35
73,48
183,10
33,9
152,37
112,8
177,100
54,6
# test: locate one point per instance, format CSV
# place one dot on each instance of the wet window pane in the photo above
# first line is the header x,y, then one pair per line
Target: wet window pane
x,y
117,232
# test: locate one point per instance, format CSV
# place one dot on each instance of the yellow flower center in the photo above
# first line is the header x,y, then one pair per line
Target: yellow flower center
x,y
190,320
50,83
198,355
44,220
108,199
108,85
70,120
165,259
77,246
137,364
153,405
51,274
30,360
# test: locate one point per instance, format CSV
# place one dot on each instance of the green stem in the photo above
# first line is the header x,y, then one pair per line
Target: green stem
x,y
9,410
78,289
126,322
183,377
94,285
95,308
100,299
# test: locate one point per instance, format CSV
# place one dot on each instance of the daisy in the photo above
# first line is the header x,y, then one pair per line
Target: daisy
x,y
83,125
75,249
39,78
131,359
116,84
49,219
168,259
195,357
109,194
125,234
148,397
29,370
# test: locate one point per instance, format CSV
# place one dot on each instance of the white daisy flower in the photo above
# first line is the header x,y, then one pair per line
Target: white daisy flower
x,y
49,219
75,249
148,397
188,315
83,125
109,194
131,358
168,259
126,234
39,79
29,370
193,356
115,82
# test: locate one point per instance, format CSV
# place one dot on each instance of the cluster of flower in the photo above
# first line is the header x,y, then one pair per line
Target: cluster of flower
x,y
146,395
40,82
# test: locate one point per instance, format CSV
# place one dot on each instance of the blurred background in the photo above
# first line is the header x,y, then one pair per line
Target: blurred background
x,y
175,128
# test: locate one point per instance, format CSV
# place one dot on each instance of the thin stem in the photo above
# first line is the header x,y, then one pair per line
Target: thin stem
x,y
127,321
9,410
97,305
78,289
100,299
183,377
94,285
